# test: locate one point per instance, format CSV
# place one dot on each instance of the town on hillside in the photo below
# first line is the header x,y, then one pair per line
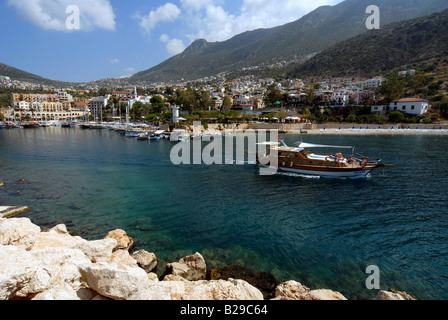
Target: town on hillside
x,y
402,96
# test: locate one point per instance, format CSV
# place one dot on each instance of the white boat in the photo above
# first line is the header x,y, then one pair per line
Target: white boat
x,y
143,136
132,134
98,126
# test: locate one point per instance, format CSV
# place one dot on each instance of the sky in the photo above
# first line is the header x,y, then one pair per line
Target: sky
x,y
86,40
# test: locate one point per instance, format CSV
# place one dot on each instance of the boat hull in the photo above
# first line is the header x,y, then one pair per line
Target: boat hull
x,y
358,173
321,171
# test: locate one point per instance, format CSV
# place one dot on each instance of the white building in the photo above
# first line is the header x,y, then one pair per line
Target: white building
x,y
410,106
373,83
96,105
381,110
24,105
64,96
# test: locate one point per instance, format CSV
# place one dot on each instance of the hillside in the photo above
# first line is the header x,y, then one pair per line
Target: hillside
x,y
317,31
20,75
400,44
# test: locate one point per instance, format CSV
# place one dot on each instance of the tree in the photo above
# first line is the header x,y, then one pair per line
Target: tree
x,y
188,99
442,107
417,82
227,104
392,89
309,96
205,100
157,104
395,117
103,92
272,95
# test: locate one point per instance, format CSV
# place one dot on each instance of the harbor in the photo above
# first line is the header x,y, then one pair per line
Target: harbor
x,y
289,225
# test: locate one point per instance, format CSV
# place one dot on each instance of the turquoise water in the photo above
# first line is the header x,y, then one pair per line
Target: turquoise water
x,y
320,232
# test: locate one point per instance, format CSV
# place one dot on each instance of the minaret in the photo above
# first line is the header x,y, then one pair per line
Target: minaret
x,y
135,93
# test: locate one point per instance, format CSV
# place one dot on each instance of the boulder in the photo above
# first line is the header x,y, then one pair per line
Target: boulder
x,y
24,274
60,229
200,290
18,232
146,260
293,290
99,250
324,294
393,294
56,238
114,280
123,241
263,281
123,256
192,268
63,292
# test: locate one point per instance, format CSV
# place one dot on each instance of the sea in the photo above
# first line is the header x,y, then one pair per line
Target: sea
x,y
323,233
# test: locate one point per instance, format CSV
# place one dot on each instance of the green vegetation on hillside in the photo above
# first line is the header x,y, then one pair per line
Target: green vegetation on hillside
x,y
402,44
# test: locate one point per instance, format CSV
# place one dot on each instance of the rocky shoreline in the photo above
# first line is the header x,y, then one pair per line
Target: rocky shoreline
x,y
54,265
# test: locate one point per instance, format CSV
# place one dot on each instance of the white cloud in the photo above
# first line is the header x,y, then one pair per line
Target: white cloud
x,y
211,21
130,69
196,5
166,13
51,14
114,61
173,46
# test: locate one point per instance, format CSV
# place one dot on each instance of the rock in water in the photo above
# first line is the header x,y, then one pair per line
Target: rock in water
x,y
192,268
146,260
263,281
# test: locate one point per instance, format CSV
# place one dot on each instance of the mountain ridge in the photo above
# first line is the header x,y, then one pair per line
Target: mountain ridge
x,y
394,46
291,43
314,32
20,75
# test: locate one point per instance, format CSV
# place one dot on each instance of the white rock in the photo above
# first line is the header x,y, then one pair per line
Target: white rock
x,y
293,290
323,294
56,239
61,292
16,270
18,232
387,295
200,290
99,250
60,228
123,256
146,260
192,268
66,261
113,280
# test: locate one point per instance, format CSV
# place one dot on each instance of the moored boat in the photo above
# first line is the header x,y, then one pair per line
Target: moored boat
x,y
30,124
300,160
143,136
157,135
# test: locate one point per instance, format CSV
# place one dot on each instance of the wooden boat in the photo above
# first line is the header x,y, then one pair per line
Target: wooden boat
x,y
143,136
301,161
30,124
